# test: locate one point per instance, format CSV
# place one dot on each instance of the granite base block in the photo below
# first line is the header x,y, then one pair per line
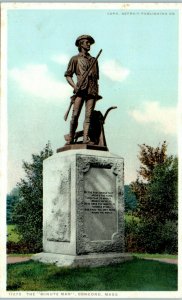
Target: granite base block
x,y
83,203
83,209
92,260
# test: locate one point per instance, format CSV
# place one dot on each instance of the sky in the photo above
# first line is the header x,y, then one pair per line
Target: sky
x,y
138,74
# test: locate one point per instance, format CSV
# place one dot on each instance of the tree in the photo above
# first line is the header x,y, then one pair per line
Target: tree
x,y
27,214
156,193
151,157
162,193
130,199
11,201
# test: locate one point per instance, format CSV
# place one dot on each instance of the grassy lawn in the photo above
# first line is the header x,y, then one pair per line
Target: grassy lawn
x,y
136,275
12,235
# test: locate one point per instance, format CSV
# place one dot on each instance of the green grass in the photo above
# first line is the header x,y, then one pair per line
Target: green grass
x,y
136,275
156,255
12,235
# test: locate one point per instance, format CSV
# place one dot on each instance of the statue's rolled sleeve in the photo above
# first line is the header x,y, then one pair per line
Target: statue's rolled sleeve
x,y
71,68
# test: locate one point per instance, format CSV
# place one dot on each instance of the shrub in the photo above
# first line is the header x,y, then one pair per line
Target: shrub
x,y
150,237
27,213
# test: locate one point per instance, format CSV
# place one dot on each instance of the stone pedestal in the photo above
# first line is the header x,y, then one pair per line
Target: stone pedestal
x,y
83,209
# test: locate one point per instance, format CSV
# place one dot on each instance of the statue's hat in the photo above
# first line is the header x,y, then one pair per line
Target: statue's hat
x,y
84,36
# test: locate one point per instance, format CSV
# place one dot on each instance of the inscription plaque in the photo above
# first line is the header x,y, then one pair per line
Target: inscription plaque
x,y
100,212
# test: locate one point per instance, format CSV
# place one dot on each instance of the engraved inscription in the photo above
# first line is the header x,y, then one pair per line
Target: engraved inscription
x,y
99,202
100,212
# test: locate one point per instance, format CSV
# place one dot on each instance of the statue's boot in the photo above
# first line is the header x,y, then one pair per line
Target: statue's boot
x,y
86,139
72,133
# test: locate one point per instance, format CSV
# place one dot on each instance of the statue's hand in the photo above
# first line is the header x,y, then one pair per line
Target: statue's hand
x,y
75,90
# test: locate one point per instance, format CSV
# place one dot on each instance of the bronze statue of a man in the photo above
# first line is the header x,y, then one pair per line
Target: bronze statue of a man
x,y
88,91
